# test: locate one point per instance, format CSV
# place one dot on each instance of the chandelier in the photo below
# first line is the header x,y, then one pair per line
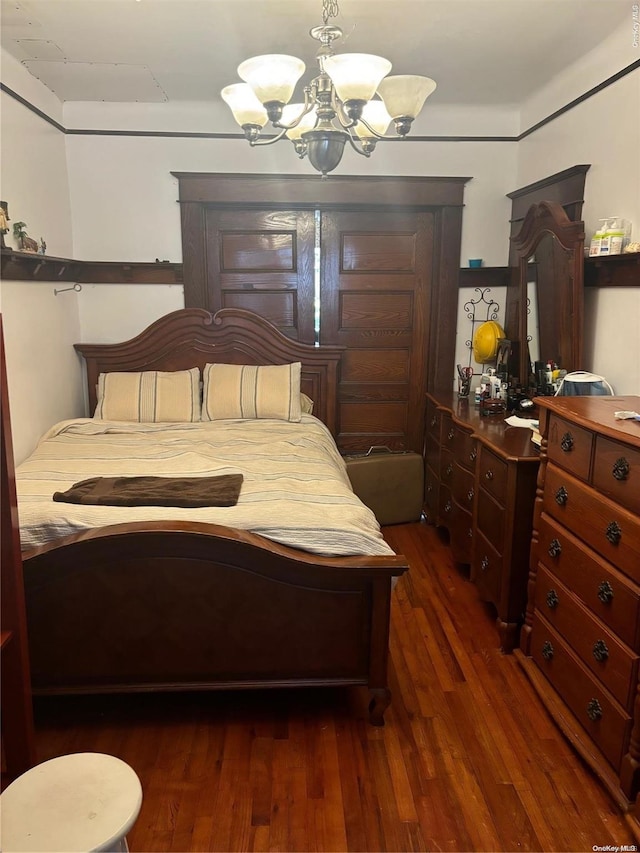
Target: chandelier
x,y
351,100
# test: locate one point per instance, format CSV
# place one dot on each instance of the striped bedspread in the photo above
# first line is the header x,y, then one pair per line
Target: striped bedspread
x,y
295,491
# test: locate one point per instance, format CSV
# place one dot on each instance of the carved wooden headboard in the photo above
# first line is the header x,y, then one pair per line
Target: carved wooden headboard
x,y
194,337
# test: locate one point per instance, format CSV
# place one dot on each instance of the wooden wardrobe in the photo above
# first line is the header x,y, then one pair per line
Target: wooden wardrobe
x,y
367,263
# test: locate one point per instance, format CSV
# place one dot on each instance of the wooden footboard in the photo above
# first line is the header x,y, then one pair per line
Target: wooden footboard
x,y
185,606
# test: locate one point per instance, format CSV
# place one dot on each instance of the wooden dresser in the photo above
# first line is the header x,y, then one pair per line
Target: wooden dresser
x,y
480,480
580,644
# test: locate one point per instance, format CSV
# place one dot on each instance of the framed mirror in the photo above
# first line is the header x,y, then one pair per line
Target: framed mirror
x,y
545,307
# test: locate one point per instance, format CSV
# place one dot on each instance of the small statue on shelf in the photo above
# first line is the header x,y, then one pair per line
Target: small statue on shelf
x,y
43,246
4,222
26,243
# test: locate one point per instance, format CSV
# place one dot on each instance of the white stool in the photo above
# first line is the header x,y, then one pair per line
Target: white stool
x,y
80,802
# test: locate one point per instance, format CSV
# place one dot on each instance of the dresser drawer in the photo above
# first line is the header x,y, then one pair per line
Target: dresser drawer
x,y
608,593
611,530
486,569
465,449
447,464
447,431
490,519
463,487
493,473
445,505
433,419
569,446
616,472
610,660
461,533
432,452
431,488
611,726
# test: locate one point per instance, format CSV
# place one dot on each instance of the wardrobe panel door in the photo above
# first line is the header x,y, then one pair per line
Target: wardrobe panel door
x,y
374,300
263,260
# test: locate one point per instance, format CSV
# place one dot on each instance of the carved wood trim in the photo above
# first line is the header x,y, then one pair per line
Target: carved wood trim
x,y
548,216
193,337
277,191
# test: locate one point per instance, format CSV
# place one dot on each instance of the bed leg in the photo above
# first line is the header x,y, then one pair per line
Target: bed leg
x,y
380,701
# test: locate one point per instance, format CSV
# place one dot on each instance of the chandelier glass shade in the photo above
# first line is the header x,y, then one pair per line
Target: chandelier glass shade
x,y
351,100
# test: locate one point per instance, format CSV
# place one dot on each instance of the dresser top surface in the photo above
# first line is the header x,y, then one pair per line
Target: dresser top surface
x,y
598,414
510,442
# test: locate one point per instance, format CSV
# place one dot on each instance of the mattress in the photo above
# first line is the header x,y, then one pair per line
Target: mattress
x,y
295,490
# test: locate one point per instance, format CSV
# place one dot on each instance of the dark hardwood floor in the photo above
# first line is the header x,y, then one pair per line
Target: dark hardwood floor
x,y
468,760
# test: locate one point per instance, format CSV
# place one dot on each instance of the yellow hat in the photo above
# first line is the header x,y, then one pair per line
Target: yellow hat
x,y
485,341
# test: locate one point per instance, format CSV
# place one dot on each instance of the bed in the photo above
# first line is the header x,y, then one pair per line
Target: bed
x,y
186,600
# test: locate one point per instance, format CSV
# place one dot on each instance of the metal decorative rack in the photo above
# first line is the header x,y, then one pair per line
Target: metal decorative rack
x,y
479,311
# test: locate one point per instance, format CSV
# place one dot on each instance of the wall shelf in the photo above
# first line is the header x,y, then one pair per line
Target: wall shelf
x,y
28,266
614,271
484,277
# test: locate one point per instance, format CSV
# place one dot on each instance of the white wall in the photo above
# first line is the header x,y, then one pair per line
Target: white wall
x,y
44,373
603,131
39,328
124,198
33,166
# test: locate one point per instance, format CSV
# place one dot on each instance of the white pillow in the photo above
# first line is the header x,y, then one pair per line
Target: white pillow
x,y
151,396
249,391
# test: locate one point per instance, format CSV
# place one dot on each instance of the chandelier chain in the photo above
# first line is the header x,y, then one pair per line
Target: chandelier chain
x,y
329,10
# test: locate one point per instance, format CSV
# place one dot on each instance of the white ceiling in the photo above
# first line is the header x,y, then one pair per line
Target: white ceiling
x,y
478,51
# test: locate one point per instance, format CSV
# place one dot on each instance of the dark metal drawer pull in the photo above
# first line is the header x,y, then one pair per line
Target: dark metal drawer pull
x,y
552,599
621,469
614,532
489,475
470,494
434,421
566,442
471,533
562,496
447,506
555,548
484,564
605,592
429,488
600,650
547,650
450,434
449,470
473,455
594,710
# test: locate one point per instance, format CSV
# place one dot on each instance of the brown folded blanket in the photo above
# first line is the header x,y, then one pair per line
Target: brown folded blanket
x,y
222,490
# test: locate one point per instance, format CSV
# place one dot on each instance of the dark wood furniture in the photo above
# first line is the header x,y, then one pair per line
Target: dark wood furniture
x,y
553,245
580,645
18,743
186,606
480,479
386,280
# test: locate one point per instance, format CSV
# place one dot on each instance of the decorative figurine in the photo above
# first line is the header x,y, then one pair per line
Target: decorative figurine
x,y
43,246
26,243
4,220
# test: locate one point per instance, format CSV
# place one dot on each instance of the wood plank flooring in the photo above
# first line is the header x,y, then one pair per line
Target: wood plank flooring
x,y
468,760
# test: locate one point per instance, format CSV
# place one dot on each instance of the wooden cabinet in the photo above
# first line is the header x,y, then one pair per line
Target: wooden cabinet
x,y
480,480
17,715
581,642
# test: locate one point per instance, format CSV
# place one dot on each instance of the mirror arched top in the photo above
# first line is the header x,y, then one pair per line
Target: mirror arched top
x,y
551,246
